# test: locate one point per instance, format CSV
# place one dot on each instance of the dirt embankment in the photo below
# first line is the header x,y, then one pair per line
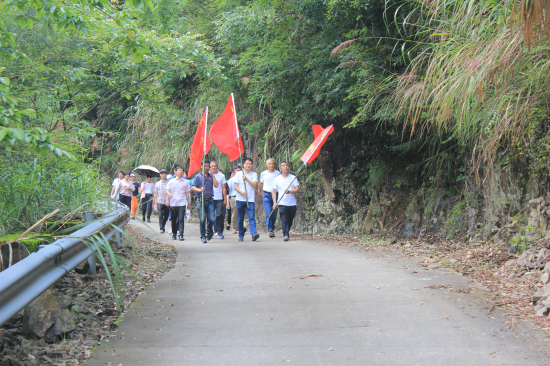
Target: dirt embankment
x,y
93,305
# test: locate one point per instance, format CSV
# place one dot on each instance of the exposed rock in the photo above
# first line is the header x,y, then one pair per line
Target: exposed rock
x,y
543,311
539,295
48,316
545,278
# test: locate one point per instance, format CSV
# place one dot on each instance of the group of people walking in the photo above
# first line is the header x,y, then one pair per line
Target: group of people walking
x,y
126,189
215,197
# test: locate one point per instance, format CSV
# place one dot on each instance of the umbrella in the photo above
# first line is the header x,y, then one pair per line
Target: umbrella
x,y
147,170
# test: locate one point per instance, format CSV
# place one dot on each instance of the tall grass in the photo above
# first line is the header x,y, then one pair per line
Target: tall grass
x,y
473,79
33,188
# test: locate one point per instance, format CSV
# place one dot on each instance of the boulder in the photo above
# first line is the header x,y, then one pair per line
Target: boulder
x,y
545,278
543,312
48,316
539,295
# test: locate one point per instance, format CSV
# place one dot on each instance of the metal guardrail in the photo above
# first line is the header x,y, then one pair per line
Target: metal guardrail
x,y
23,282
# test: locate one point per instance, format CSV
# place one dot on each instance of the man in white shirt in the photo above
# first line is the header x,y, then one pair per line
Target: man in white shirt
x,y
115,184
232,218
220,198
246,183
177,191
288,185
265,188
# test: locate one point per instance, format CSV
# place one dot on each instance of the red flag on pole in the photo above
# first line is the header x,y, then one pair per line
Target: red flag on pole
x,y
321,136
225,132
200,147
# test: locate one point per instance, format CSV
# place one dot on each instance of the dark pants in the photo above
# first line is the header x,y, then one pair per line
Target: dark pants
x,y
229,216
178,219
147,205
218,211
127,200
207,215
268,207
242,210
164,211
287,214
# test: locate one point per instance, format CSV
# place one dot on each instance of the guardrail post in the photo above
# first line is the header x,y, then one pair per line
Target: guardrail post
x,y
118,237
90,216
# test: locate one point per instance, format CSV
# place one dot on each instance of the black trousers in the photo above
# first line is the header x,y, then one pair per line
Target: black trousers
x,y
287,214
127,200
218,207
164,211
147,205
178,219
229,215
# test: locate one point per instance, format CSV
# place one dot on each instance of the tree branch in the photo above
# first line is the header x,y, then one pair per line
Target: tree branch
x,y
110,97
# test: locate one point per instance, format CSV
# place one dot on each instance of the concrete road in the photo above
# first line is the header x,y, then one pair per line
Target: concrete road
x,y
252,303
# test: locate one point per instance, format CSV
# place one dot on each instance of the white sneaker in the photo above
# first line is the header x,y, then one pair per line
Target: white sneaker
x,y
170,231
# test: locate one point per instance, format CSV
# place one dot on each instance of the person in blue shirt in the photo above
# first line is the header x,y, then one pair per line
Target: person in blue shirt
x,y
204,184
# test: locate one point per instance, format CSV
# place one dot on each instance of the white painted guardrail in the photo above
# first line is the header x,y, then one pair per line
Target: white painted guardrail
x,y
23,282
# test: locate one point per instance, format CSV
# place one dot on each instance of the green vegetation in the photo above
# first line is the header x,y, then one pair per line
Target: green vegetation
x,y
440,92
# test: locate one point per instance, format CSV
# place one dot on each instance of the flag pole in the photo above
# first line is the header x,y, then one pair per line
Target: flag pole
x,y
239,144
203,177
295,176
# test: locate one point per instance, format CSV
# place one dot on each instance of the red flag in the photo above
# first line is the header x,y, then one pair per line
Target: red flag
x,y
201,145
225,132
321,136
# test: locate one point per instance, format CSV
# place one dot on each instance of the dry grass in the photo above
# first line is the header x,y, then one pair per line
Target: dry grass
x,y
474,79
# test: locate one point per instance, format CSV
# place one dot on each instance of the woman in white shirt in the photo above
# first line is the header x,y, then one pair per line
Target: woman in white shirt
x,y
125,189
147,198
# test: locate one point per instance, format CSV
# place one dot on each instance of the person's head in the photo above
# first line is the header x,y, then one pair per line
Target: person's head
x,y
206,167
214,167
270,163
283,167
133,177
126,175
178,170
148,179
237,168
248,165
163,174
121,175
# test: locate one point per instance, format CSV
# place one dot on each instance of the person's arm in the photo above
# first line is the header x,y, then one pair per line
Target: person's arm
x,y
224,195
293,191
195,189
188,200
252,183
214,180
168,193
239,190
112,189
274,196
155,198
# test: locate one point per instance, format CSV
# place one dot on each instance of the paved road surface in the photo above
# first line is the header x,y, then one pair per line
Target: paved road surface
x,y
231,303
